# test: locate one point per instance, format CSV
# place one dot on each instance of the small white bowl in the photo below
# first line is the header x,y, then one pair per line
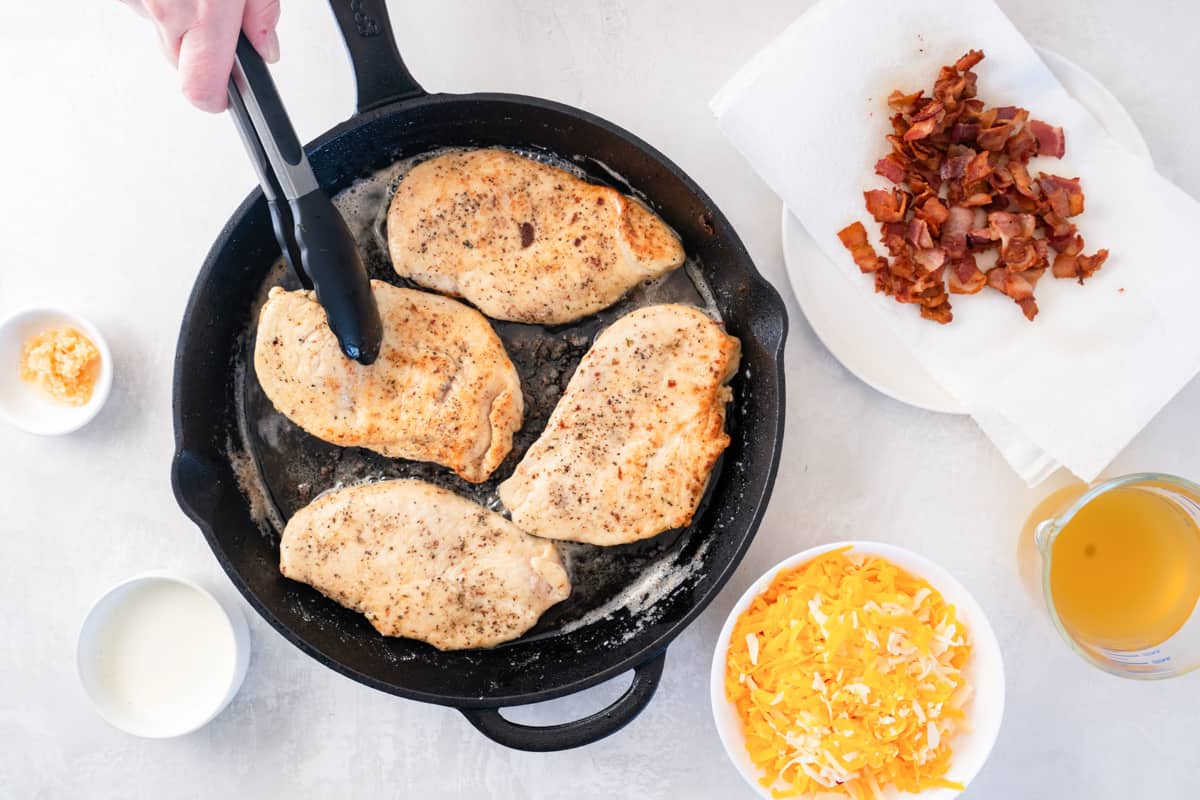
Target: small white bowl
x,y
25,405
159,656
985,670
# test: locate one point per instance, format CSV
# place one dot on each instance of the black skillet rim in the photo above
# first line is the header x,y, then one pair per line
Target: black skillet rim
x,y
715,581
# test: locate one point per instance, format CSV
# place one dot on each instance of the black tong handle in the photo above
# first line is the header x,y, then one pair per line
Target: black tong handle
x,y
310,231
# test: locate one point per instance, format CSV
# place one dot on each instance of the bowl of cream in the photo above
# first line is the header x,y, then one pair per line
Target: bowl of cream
x,y
159,656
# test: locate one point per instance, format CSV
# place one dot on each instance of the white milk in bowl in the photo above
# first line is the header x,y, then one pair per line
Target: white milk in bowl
x,y
160,657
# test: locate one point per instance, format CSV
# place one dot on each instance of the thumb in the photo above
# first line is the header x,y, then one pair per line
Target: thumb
x,y
258,23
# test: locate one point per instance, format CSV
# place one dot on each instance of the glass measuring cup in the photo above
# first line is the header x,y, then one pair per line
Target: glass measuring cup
x,y
1121,575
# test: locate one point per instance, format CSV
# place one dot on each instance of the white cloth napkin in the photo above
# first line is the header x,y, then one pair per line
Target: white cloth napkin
x,y
1072,388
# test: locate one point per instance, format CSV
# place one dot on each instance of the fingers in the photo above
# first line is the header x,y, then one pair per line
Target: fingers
x,y
200,37
206,50
258,22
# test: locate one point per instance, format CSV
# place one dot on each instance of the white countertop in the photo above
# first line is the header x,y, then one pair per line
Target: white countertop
x,y
113,191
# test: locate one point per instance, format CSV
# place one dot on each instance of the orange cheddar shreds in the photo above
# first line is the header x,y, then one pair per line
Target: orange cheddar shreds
x,y
847,676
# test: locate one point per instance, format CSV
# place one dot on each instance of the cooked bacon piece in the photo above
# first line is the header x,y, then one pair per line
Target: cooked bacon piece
x,y
996,125
887,206
891,168
993,138
902,266
1006,226
1050,139
935,280
983,238
1022,145
1021,180
999,114
893,236
854,238
940,313
926,121
1000,178
1058,229
968,60
964,276
1043,252
952,89
1020,254
934,213
923,187
1089,264
1066,264
1063,194
903,103
955,165
964,132
954,230
1015,202
1018,286
1070,247
918,234
960,161
1013,284
976,200
930,259
979,168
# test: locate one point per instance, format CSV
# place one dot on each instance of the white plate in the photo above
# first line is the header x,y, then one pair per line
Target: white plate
x,y
851,329
984,670
24,405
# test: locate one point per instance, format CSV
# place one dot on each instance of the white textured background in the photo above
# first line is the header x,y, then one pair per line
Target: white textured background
x,y
113,190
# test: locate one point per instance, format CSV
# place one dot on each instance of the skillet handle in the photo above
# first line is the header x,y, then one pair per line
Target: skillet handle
x,y
379,71
568,735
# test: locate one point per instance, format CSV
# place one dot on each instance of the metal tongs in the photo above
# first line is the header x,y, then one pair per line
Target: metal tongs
x,y
310,231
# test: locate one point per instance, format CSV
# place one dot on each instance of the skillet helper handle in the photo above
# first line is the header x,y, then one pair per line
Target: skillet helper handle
x,y
568,735
379,70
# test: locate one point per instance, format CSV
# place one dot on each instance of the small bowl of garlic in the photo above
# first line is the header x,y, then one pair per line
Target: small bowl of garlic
x,y
56,371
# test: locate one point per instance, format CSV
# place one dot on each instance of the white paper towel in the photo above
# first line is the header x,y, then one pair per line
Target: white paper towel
x,y
1073,387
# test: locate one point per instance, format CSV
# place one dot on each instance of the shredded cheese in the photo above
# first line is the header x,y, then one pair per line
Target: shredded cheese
x,y
847,676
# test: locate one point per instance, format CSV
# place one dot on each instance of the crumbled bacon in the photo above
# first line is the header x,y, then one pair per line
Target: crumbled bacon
x,y
887,206
854,238
891,168
964,276
934,213
1063,195
962,188
968,60
1050,139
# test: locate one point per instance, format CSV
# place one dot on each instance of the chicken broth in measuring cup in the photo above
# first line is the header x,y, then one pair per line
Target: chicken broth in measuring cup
x,y
1121,574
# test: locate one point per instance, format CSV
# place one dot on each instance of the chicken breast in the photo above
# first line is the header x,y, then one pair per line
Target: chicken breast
x,y
422,562
627,452
442,389
522,240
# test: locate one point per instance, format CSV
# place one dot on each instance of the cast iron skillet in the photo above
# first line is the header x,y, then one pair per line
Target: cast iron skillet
x,y
396,118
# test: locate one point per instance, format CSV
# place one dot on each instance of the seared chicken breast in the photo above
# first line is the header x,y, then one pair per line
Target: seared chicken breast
x,y
627,452
522,240
422,562
441,390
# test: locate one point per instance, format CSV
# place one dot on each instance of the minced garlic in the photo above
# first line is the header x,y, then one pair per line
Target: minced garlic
x,y
64,363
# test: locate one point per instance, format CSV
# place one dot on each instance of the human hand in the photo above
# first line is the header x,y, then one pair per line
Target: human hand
x,y
200,36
